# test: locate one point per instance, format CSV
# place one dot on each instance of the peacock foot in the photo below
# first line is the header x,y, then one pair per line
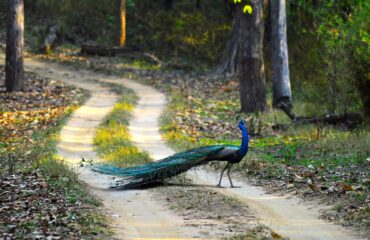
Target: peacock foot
x,y
116,184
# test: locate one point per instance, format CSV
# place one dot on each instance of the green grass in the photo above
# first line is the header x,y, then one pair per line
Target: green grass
x,y
112,138
301,145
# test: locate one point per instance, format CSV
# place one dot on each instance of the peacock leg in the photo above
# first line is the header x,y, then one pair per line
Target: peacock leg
x,y
222,173
228,175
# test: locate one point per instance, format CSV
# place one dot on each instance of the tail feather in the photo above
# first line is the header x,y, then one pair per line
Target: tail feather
x,y
159,170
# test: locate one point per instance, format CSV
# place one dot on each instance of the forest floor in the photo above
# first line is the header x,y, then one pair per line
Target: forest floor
x,y
201,220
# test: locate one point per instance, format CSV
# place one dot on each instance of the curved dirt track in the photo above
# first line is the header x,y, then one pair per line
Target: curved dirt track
x,y
135,215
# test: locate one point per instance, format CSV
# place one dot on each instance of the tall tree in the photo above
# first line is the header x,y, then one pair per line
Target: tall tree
x,y
121,22
229,59
251,64
282,97
14,73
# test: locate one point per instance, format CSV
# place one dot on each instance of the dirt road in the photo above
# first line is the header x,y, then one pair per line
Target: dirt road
x,y
135,214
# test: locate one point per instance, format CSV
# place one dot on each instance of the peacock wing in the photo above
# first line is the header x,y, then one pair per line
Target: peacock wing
x,y
225,153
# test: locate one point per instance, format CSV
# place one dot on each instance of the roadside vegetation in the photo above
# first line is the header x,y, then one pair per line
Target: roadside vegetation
x,y
112,138
41,197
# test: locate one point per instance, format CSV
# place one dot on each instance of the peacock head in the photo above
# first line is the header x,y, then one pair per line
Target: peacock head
x,y
242,124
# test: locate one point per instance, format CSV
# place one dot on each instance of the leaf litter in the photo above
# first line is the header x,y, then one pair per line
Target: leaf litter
x,y
39,197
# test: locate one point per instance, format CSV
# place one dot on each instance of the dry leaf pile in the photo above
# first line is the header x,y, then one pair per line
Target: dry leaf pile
x,y
30,209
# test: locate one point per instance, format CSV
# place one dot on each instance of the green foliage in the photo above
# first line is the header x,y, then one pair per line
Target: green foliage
x,y
329,51
181,33
130,4
76,20
328,40
177,34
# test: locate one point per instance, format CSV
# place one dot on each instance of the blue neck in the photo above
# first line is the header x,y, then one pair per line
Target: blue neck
x,y
245,139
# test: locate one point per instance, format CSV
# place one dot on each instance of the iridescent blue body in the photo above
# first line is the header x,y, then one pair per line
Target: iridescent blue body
x,y
178,163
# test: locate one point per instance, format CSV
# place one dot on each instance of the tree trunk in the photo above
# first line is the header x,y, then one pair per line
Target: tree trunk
x,y
279,56
251,75
14,75
121,23
363,86
229,60
169,4
365,96
197,4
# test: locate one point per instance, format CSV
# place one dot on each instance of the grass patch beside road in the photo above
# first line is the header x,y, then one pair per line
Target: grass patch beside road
x,y
112,139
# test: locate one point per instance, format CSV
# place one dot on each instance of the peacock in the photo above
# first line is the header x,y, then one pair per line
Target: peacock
x,y
175,164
